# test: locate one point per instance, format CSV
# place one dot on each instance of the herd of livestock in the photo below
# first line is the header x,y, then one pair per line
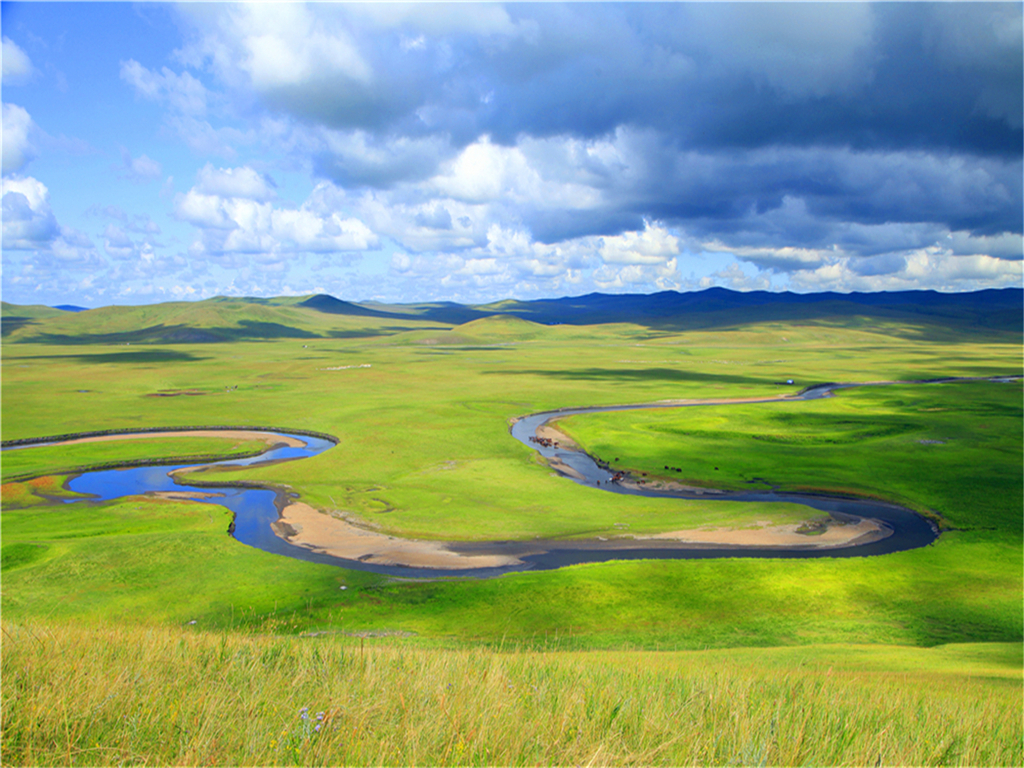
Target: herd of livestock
x,y
617,477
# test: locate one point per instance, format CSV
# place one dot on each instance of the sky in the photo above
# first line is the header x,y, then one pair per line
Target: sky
x,y
476,152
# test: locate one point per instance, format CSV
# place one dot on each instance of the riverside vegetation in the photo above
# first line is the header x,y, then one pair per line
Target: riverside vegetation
x,y
138,631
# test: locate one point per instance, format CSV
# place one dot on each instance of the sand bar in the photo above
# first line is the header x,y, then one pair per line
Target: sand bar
x,y
836,534
304,526
269,438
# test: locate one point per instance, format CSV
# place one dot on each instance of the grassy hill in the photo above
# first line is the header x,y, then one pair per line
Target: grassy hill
x,y
225,319
214,320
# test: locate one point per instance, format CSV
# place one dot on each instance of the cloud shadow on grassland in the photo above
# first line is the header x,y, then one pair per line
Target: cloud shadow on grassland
x,y
12,323
247,330
132,356
387,330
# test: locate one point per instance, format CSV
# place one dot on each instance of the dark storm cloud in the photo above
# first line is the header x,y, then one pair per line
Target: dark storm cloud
x,y
732,192
710,75
756,125
885,76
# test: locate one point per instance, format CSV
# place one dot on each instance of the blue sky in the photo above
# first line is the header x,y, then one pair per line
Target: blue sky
x,y
475,152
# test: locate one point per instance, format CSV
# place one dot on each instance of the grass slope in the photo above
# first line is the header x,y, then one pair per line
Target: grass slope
x,y
114,695
424,450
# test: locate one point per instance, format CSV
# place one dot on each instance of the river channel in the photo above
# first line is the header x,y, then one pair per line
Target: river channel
x,y
256,509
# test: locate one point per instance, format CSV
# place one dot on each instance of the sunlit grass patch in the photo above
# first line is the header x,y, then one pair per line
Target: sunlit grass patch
x,y
170,696
65,459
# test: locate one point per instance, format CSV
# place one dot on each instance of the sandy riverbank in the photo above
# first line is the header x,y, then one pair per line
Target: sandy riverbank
x,y
837,533
304,526
232,434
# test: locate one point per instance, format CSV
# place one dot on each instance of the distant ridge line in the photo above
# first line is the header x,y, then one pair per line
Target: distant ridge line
x,y
1004,305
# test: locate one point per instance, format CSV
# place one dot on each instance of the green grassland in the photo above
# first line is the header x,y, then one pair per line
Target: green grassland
x,y
422,411
945,449
65,459
115,695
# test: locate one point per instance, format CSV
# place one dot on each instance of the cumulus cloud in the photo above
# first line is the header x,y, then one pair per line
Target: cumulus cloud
x,y
28,221
536,148
232,208
117,243
655,245
932,268
37,249
509,261
740,128
235,182
17,148
17,68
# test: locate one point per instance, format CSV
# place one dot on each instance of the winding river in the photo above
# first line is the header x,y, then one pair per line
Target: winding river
x,y
257,509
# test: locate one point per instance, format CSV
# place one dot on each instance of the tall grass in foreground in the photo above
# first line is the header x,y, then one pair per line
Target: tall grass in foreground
x,y
86,696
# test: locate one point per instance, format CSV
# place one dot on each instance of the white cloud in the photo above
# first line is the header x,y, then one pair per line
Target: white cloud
x,y
29,225
235,182
484,173
28,222
483,19
272,46
17,68
511,262
183,93
639,278
203,211
17,149
924,269
246,222
141,168
734,277
655,245
117,243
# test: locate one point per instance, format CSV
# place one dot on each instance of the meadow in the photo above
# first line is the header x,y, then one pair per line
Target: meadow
x,y
738,650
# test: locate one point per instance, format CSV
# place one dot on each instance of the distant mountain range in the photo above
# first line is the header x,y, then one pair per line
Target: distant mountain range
x,y
223,319
996,308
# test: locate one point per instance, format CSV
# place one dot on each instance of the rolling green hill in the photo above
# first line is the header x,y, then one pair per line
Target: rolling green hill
x,y
139,631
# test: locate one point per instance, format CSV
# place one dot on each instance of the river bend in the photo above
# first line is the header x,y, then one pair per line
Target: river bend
x,y
256,509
